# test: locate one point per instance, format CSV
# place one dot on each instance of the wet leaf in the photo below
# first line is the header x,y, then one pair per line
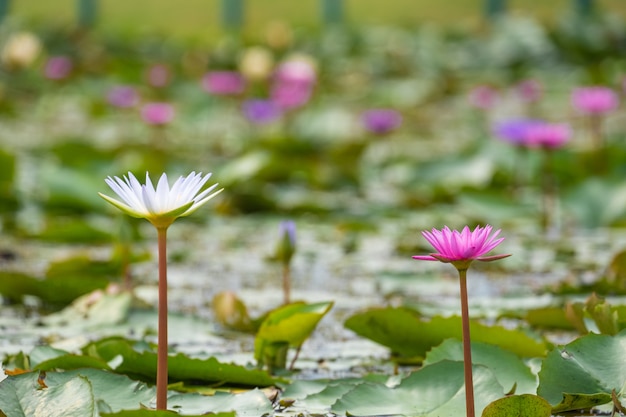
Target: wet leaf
x,y
583,373
22,396
525,405
250,403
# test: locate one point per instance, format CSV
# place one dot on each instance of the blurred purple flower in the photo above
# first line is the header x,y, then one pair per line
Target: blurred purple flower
x,y
381,121
529,91
223,83
594,100
58,67
260,111
157,113
515,131
287,243
483,97
123,96
158,75
549,135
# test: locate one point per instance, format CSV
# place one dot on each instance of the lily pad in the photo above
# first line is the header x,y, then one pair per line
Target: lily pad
x,y
143,366
409,335
508,368
437,389
525,405
584,373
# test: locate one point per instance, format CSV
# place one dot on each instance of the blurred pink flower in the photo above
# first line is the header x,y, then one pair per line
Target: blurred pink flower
x,y
483,97
223,83
157,113
296,71
58,67
158,75
461,248
533,133
290,95
594,100
529,91
123,96
548,135
293,83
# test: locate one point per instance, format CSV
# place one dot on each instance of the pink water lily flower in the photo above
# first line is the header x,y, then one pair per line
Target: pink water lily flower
x,y
461,248
595,100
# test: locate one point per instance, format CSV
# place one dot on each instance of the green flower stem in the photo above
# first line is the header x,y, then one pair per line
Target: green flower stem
x,y
161,379
286,283
467,347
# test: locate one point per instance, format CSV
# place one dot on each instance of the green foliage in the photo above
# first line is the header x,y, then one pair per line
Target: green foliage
x,y
409,335
287,326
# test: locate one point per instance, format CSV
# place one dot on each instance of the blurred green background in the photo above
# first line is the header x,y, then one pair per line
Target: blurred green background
x,y
200,19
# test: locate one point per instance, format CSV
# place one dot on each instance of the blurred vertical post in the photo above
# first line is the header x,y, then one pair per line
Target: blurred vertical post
x,y
332,11
232,14
87,13
494,8
4,9
583,7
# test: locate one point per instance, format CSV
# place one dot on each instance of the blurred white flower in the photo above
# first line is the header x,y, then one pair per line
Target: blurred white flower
x,y
256,63
20,50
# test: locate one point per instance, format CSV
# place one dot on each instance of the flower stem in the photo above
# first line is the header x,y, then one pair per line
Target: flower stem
x,y
467,347
162,331
286,283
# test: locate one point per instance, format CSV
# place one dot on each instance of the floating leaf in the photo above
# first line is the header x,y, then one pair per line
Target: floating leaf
x,y
56,291
525,405
142,365
508,368
434,390
407,334
22,396
583,373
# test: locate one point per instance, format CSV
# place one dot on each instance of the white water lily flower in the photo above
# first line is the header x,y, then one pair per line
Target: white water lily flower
x,y
161,205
